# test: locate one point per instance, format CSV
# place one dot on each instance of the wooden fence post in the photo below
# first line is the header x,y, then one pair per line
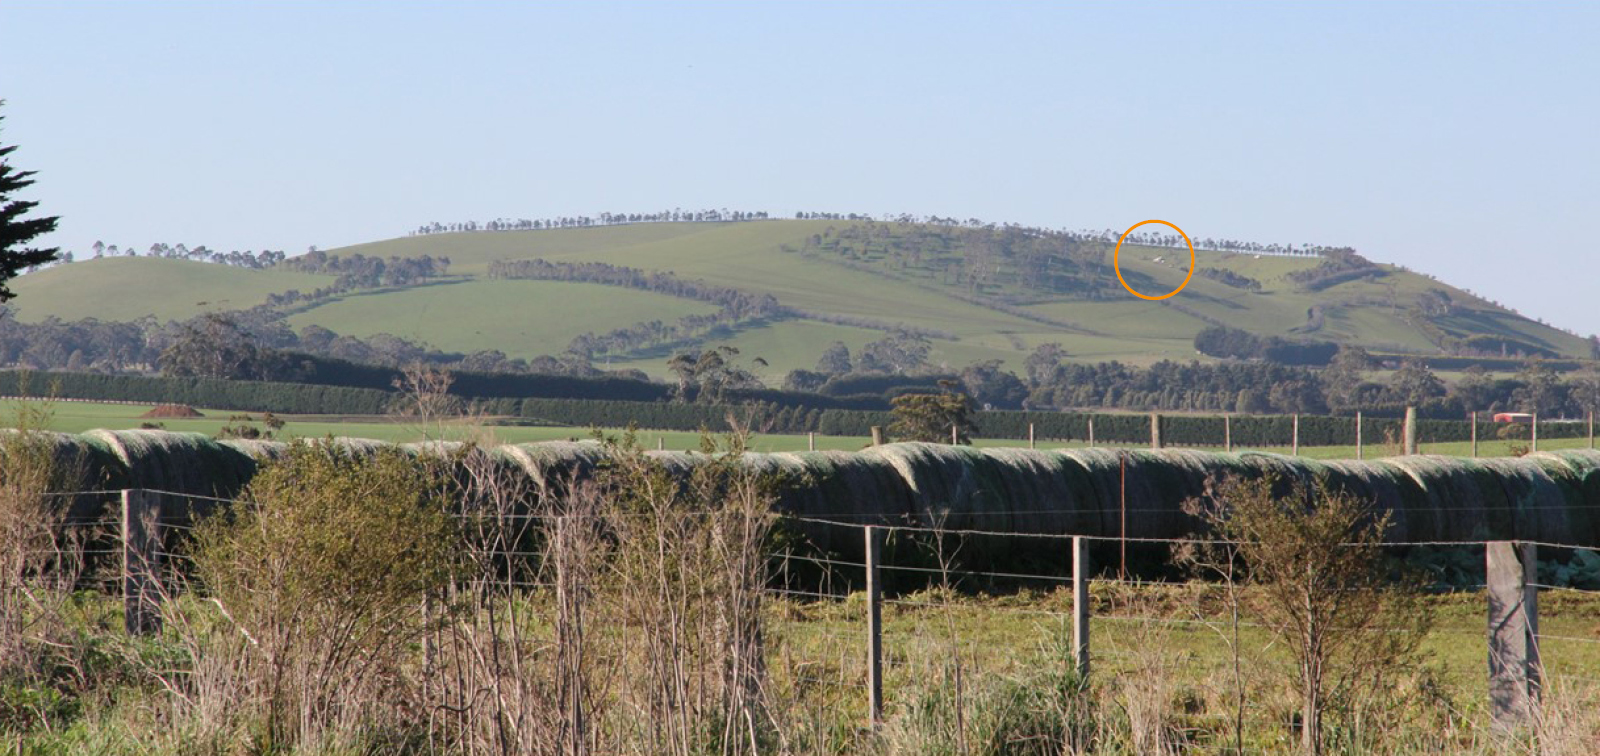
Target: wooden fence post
x,y
1358,434
661,443
877,435
1410,432
1535,432
955,435
1091,432
1227,433
1030,436
874,625
1155,431
1080,604
1474,433
1294,436
811,441
1514,668
1591,429
141,561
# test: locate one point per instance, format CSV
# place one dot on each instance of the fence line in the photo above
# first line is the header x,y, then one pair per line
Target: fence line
x,y
1510,570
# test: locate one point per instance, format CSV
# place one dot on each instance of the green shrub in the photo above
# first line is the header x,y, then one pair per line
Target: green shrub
x,y
325,565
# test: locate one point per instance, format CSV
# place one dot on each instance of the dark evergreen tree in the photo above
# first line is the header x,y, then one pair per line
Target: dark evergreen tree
x,y
15,230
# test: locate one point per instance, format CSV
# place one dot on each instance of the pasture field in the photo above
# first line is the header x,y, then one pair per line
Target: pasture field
x,y
468,312
521,318
128,288
77,417
1141,630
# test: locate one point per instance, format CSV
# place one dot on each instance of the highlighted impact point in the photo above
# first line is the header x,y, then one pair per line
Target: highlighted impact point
x,y
1115,265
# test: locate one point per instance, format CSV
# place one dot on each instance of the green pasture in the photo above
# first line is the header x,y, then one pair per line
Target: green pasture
x,y
76,417
129,288
1140,631
528,318
521,318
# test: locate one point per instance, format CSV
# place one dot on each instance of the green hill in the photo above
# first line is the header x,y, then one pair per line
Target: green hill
x,y
981,295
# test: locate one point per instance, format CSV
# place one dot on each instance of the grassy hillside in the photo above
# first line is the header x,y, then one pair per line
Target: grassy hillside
x,y
859,275
521,318
128,288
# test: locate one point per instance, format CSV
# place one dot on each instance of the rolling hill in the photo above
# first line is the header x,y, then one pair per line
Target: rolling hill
x,y
979,295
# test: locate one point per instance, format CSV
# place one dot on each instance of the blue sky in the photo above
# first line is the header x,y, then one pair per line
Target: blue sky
x,y
1457,139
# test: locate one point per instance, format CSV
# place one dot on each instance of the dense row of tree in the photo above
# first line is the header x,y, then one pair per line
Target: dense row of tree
x,y
1230,278
675,215
362,271
1222,341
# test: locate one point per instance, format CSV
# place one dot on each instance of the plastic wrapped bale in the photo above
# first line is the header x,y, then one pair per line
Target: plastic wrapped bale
x,y
1580,484
356,447
1055,493
841,487
82,465
180,463
1158,483
258,450
1534,504
554,465
1384,487
1453,500
952,486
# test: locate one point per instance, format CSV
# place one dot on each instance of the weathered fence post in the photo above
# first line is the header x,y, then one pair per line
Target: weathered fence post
x,y
1294,436
1535,433
569,635
661,443
955,435
1091,432
1358,434
141,561
1080,604
1514,668
1030,436
1410,431
1474,433
1122,506
1591,429
811,441
1227,433
1155,431
874,537
877,435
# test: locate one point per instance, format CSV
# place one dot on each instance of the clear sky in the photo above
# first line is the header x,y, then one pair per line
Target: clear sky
x,y
1457,139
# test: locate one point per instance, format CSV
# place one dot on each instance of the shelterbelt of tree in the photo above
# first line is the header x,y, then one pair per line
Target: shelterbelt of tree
x,y
1552,497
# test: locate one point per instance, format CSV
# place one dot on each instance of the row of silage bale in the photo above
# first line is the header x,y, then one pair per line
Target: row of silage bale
x,y
552,466
838,486
1548,496
179,463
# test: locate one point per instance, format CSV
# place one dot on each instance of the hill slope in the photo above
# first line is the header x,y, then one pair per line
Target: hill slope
x,y
980,295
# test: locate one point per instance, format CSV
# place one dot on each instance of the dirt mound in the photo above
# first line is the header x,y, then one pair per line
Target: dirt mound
x,y
173,410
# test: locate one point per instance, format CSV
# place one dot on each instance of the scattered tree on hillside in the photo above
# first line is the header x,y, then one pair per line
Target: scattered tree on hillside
x,y
1414,383
1540,392
929,417
15,229
1042,364
1341,380
1586,390
993,387
213,346
1474,388
709,375
835,359
898,352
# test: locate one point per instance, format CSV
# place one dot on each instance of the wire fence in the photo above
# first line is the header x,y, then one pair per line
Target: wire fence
x,y
947,616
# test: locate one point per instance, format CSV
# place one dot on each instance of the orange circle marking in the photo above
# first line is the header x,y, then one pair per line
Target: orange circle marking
x,y
1118,268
